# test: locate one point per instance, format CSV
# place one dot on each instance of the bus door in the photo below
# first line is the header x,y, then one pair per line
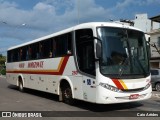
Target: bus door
x,y
86,62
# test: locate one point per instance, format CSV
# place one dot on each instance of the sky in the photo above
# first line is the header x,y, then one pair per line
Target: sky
x,y
24,20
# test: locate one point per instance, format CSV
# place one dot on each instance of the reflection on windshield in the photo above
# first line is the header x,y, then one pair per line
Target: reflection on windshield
x,y
124,52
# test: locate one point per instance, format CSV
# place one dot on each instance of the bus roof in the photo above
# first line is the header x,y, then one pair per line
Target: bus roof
x,y
80,26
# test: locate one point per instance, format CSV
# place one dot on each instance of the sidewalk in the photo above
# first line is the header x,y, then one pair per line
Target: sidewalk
x,y
2,76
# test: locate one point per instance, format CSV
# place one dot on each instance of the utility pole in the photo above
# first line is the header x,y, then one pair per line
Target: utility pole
x,y
78,11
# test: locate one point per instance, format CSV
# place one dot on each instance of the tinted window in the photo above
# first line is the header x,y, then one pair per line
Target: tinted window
x,y
63,44
85,51
53,47
154,72
45,48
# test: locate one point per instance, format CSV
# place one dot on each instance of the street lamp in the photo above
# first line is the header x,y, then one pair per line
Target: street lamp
x,y
4,22
13,31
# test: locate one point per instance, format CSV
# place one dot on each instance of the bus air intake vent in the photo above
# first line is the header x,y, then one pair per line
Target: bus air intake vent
x,y
133,90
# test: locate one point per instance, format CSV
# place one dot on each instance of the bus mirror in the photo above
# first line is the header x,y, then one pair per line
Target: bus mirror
x,y
148,47
98,49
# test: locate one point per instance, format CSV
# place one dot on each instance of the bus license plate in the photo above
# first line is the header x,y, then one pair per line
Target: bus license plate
x,y
134,96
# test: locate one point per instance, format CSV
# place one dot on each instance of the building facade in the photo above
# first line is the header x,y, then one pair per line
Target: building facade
x,y
142,22
155,43
150,26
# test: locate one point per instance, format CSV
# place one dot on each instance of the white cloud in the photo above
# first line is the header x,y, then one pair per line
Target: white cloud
x,y
147,2
127,3
45,16
44,7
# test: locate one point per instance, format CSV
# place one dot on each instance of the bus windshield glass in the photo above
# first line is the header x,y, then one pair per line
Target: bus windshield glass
x,y
124,53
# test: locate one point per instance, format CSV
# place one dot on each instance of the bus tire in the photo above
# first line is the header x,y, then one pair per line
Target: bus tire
x,y
20,85
67,95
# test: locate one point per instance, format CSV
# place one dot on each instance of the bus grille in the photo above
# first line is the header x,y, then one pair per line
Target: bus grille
x,y
133,90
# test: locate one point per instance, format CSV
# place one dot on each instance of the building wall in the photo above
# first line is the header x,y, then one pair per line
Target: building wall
x,y
142,22
155,39
155,56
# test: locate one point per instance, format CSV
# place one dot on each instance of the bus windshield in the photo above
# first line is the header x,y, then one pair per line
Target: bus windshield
x,y
124,53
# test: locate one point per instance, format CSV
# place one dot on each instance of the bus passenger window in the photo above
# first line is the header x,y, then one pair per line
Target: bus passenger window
x,y
40,51
54,48
63,45
29,53
50,55
20,54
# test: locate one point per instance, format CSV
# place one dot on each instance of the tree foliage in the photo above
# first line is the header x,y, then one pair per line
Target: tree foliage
x,y
2,65
2,60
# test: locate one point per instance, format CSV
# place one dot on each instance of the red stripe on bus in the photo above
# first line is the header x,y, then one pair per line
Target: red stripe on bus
x,y
59,72
117,83
64,63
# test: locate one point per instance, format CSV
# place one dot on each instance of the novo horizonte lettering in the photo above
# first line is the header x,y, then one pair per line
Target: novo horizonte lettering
x,y
32,64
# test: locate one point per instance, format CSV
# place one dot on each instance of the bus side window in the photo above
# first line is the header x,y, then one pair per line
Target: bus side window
x,y
20,53
39,54
28,53
45,48
64,45
85,51
49,48
33,49
16,56
54,48
69,43
24,55
10,56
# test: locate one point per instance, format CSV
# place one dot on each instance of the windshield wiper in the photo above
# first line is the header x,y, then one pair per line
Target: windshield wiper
x,y
122,68
136,59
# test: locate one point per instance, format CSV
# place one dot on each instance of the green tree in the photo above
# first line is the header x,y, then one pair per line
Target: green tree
x,y
2,60
2,64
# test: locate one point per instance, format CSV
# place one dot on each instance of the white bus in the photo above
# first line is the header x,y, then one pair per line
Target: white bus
x,y
98,62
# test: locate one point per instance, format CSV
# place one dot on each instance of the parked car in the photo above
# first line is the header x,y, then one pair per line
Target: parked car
x,y
155,79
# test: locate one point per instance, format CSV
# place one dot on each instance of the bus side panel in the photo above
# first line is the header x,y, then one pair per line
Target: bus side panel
x,y
50,80
11,78
84,88
75,78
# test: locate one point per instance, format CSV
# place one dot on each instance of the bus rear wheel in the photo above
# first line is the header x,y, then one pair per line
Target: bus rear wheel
x,y
67,95
21,88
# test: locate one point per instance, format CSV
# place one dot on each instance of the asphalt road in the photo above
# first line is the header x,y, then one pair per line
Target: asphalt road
x,y
13,100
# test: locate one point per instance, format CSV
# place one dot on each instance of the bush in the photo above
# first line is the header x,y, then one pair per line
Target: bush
x,y
3,72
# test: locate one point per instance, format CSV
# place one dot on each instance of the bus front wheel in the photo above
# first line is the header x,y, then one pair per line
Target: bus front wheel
x,y
67,95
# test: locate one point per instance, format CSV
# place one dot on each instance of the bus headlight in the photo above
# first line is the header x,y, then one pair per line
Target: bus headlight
x,y
109,87
147,86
